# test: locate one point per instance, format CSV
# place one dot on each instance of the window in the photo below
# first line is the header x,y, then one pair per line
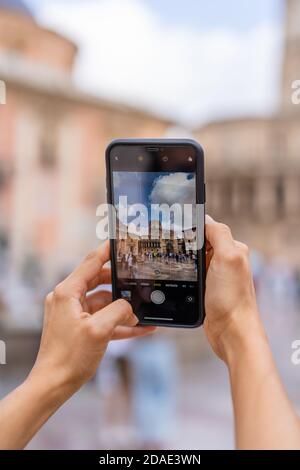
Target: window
x,y
48,147
226,196
280,196
248,189
5,174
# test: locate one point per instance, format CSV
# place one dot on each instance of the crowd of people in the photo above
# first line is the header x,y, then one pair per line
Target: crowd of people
x,y
129,260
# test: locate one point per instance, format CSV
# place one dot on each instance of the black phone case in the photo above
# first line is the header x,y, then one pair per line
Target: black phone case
x,y
200,199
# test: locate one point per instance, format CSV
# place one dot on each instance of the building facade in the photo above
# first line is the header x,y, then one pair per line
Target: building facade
x,y
156,242
253,165
52,143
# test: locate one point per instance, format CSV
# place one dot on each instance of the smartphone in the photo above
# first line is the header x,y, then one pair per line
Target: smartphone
x,y
156,195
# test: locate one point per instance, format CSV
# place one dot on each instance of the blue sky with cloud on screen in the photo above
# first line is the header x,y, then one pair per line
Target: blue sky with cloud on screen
x,y
213,59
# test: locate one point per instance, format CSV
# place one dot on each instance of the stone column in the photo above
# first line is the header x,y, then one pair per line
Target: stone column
x,y
69,187
265,206
25,197
292,195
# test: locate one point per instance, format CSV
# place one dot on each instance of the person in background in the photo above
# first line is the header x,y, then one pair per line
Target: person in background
x,y
78,328
154,387
113,380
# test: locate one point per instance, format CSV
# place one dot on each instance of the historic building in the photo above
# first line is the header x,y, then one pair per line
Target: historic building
x,y
156,241
52,142
52,169
253,165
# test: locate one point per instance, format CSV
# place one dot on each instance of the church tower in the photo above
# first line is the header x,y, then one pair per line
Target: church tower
x,y
291,65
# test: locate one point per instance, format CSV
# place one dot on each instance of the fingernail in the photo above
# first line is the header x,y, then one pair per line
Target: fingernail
x,y
209,219
134,319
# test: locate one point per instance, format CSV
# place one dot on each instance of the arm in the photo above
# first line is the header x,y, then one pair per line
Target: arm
x,y
77,329
264,416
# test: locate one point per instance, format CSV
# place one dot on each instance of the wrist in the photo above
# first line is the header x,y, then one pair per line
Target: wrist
x,y
31,405
243,335
51,384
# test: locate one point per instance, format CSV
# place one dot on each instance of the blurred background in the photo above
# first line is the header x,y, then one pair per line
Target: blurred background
x,y
80,73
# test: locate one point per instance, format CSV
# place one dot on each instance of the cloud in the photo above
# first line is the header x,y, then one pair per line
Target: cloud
x,y
128,53
174,188
177,188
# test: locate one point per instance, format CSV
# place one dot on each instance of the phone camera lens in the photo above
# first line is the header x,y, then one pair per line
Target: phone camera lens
x,y
165,159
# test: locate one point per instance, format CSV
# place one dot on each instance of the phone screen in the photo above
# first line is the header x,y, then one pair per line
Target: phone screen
x,y
156,254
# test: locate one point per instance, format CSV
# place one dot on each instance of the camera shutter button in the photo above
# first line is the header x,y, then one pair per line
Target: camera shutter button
x,y
157,297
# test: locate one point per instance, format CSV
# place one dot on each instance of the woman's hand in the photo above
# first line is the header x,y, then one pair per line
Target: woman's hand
x,y
78,327
230,302
264,417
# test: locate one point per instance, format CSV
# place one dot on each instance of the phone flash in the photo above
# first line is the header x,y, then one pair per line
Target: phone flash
x,y
190,159
117,158
140,158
